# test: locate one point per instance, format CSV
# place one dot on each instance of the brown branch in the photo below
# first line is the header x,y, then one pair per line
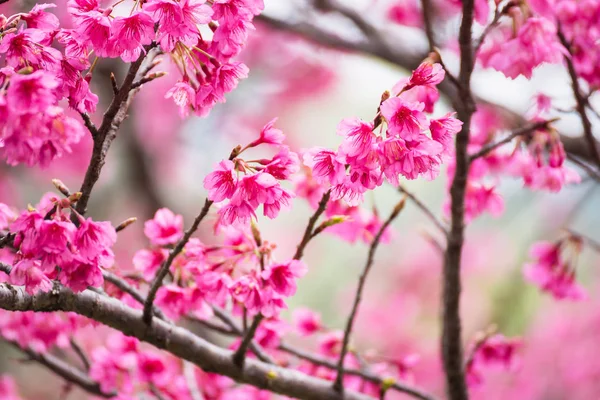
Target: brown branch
x,y
164,268
523,131
451,343
230,321
64,370
592,173
595,245
310,357
367,376
89,124
175,340
106,133
311,225
125,287
580,99
338,384
80,354
7,240
486,31
240,354
424,209
5,268
428,14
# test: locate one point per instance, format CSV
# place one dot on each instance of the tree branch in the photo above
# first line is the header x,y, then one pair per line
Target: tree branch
x,y
338,384
311,225
125,287
164,268
523,131
425,209
106,133
63,369
581,101
176,340
451,343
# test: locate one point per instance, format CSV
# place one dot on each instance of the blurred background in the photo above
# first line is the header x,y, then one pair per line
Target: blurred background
x,y
159,160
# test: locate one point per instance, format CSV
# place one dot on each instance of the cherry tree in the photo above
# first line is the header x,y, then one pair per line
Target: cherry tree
x,y
178,308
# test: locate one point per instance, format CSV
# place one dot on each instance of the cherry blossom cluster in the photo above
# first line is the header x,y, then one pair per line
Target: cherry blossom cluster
x,y
237,270
537,158
39,332
350,223
488,352
53,242
552,268
34,128
250,184
411,146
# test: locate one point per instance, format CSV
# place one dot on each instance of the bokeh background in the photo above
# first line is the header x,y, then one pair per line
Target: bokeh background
x,y
160,160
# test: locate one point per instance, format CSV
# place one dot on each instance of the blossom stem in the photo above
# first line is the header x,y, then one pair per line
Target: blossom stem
x,y
424,208
164,268
311,225
338,384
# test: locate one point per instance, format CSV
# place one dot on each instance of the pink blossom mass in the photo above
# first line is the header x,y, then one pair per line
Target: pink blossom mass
x,y
313,199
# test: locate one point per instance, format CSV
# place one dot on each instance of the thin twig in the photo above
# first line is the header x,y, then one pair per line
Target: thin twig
x,y
7,240
164,268
65,371
130,290
595,245
425,209
5,268
580,100
230,321
155,392
311,224
240,354
89,124
367,376
428,13
588,169
523,131
106,133
81,354
338,384
497,14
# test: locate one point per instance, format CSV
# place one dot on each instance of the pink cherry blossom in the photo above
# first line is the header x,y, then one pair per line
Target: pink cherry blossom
x,y
221,183
405,119
166,227
307,322
282,277
326,165
551,274
130,33
427,74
